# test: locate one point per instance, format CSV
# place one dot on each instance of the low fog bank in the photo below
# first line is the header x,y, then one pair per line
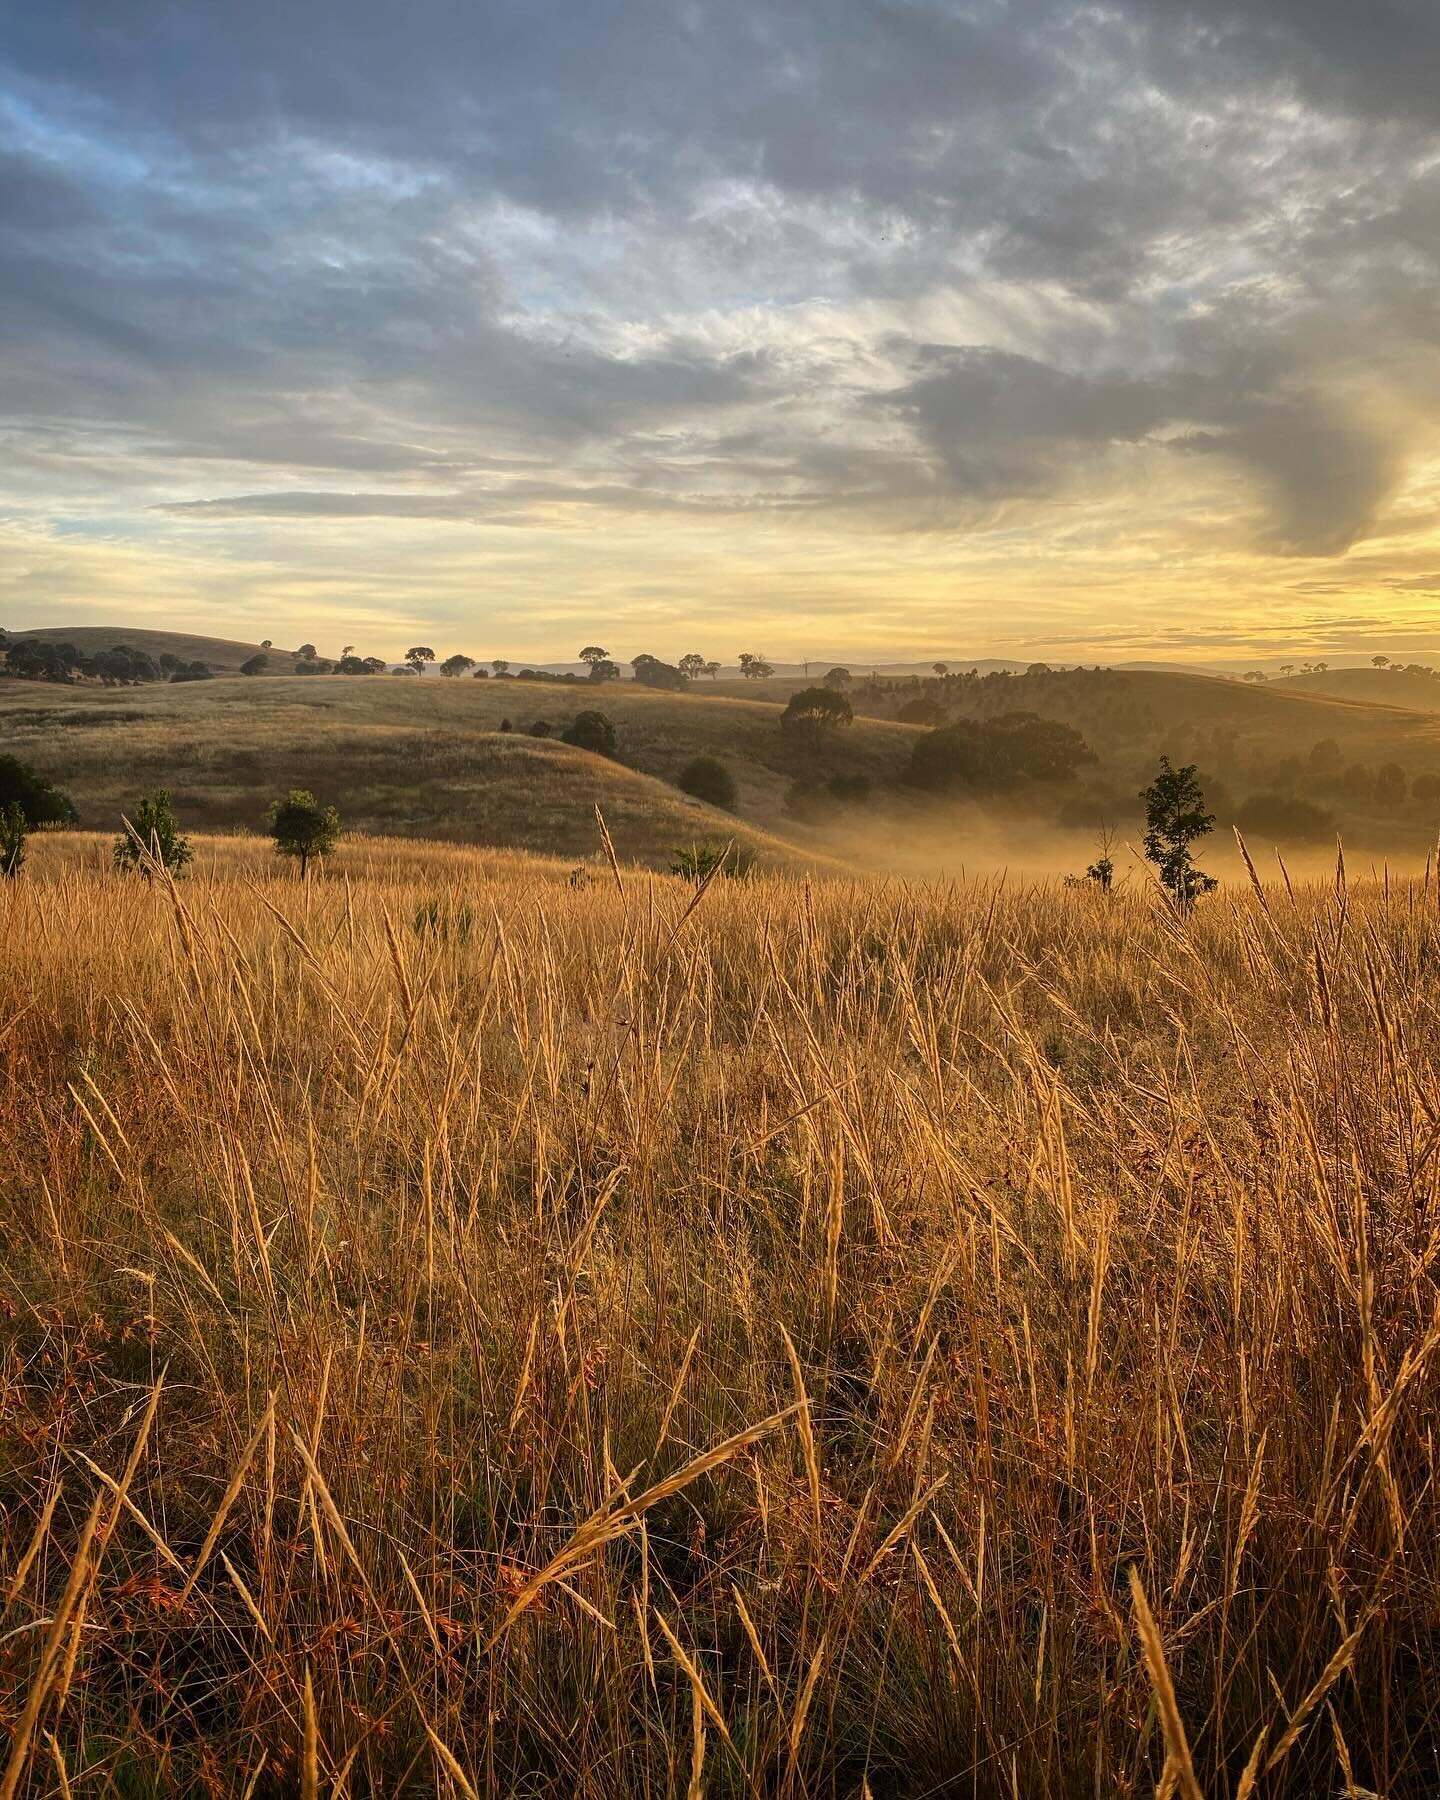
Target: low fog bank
x,y
977,839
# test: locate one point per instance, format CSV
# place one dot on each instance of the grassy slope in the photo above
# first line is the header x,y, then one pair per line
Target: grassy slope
x,y
418,756
224,655
413,758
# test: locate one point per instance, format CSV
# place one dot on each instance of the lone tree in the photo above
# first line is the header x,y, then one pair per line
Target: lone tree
x,y
814,711
152,836
417,656
839,678
1175,818
692,665
457,664
14,829
941,669
302,827
499,665
706,778
1102,870
712,669
592,731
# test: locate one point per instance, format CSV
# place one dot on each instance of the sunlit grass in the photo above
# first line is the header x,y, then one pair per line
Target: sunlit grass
x,y
469,1331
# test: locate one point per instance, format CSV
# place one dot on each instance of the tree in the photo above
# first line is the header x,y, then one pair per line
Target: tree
x,y
592,731
14,829
41,803
374,665
814,711
593,654
1255,676
754,668
267,644
707,778
346,650
941,669
152,836
692,666
499,665
838,678
308,652
712,669
1284,818
302,827
255,665
1175,818
605,670
1381,662
417,656
1390,786
195,671
457,664
1287,669
650,672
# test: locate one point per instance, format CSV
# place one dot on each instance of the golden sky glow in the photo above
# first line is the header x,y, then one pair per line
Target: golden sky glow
x,y
879,331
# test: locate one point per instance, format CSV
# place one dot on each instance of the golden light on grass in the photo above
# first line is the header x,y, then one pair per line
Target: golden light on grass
x,y
920,1339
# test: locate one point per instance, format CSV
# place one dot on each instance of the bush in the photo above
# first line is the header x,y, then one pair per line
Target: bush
x,y
706,778
702,860
592,731
540,729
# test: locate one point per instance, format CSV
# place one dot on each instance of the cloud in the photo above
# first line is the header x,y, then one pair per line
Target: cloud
x,y
758,280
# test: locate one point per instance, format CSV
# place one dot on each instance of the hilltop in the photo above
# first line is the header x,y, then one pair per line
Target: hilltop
x,y
1416,688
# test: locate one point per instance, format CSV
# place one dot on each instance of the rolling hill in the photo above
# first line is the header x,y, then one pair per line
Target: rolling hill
x,y
1416,691
420,759
224,655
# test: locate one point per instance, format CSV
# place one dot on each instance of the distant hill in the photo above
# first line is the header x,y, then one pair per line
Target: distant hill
x,y
1375,687
224,655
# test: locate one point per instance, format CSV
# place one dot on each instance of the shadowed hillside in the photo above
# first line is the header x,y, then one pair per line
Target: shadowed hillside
x,y
224,655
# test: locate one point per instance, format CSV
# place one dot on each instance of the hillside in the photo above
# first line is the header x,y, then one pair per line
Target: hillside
x,y
224,655
413,758
1416,689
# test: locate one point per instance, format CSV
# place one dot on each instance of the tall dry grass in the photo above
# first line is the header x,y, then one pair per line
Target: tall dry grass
x,y
800,1342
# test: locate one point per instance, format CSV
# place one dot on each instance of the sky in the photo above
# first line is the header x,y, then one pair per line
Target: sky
x,y
881,328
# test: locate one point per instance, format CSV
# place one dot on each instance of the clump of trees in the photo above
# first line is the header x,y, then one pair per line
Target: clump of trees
x,y
755,668
707,778
37,659
301,827
810,798
1285,818
650,672
38,799
987,756
152,838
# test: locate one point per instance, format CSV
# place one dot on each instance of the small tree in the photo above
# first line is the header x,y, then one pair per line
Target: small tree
x,y
691,666
593,654
839,679
307,652
302,827
417,656
1102,870
152,836
1381,662
499,665
712,669
1175,818
706,778
346,650
41,803
813,711
14,829
754,668
457,664
267,643
941,669
255,665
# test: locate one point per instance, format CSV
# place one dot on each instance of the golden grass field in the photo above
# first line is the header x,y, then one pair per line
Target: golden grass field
x,y
469,1333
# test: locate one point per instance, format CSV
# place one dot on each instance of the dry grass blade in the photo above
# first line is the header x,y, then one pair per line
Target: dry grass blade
x,y
1177,1745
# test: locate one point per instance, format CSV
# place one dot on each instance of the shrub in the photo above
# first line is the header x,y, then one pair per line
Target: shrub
x,y
706,778
592,731
541,729
699,861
